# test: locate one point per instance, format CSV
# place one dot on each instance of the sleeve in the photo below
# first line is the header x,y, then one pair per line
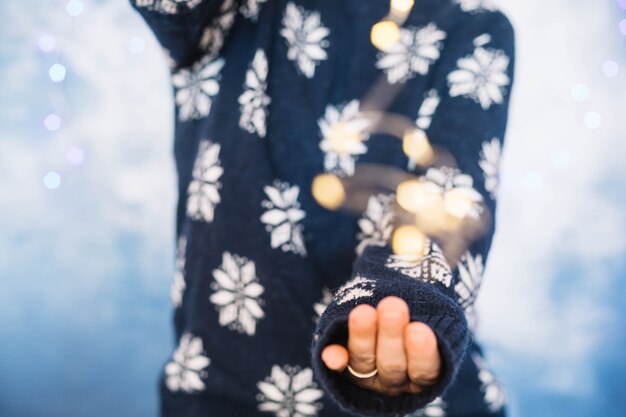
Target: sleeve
x,y
471,83
188,29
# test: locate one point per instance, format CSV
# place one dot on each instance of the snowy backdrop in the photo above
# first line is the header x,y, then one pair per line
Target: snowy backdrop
x,y
87,209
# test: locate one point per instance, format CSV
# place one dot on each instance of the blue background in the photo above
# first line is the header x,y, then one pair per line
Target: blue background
x,y
85,268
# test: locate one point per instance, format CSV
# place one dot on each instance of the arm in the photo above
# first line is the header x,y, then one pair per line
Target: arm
x,y
470,121
188,29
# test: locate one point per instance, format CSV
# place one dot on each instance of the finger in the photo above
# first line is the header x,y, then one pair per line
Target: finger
x,y
335,357
423,354
393,316
362,338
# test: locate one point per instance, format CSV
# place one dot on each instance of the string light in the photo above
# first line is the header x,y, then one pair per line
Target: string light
x,y
416,146
417,195
385,34
401,6
460,202
409,240
328,191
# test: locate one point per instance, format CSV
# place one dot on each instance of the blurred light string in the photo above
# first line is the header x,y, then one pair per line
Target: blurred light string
x,y
57,72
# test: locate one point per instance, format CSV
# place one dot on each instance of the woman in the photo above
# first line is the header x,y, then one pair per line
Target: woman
x,y
260,86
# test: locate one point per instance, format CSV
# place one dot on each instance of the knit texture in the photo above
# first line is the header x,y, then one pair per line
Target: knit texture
x,y
266,277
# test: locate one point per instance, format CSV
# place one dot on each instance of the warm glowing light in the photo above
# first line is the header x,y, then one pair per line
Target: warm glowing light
x,y
409,240
416,195
462,202
385,34
343,138
328,191
417,147
401,6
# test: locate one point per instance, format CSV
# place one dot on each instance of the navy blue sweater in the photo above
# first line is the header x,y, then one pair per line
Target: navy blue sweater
x,y
265,276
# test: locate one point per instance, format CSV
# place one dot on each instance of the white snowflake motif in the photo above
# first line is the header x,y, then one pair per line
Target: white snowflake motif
x,y
196,87
254,100
490,156
344,131
213,36
430,268
435,408
494,394
168,6
289,392
481,76
305,36
186,369
376,224
417,49
178,286
427,109
355,289
203,194
251,8
451,180
474,6
470,276
282,217
237,292
321,305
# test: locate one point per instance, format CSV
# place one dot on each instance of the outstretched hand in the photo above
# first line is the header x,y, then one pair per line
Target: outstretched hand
x,y
404,354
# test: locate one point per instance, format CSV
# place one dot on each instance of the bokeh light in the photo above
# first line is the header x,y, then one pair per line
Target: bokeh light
x,y
52,180
580,92
75,155
409,240
328,191
593,120
610,68
622,26
401,6
561,158
52,122
385,34
46,43
74,7
416,146
57,73
621,4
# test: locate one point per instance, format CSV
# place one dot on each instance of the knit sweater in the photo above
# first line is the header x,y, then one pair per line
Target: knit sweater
x,y
266,277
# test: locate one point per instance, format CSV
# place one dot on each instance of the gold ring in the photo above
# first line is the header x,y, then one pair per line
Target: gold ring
x,y
360,375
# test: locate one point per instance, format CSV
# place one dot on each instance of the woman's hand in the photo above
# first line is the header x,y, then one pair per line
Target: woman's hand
x,y
404,354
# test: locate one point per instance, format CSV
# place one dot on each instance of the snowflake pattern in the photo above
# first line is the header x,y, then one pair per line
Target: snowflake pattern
x,y
481,76
179,285
475,6
305,36
435,408
431,268
416,50
344,131
215,33
355,289
376,224
254,99
282,217
451,180
186,370
168,6
289,392
427,109
203,191
251,8
236,295
322,304
196,87
489,162
494,394
470,277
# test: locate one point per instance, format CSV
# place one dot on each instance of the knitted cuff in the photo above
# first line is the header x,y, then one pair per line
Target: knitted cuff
x,y
428,304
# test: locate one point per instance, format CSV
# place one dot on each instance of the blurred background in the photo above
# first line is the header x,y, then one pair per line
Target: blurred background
x,y
87,212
